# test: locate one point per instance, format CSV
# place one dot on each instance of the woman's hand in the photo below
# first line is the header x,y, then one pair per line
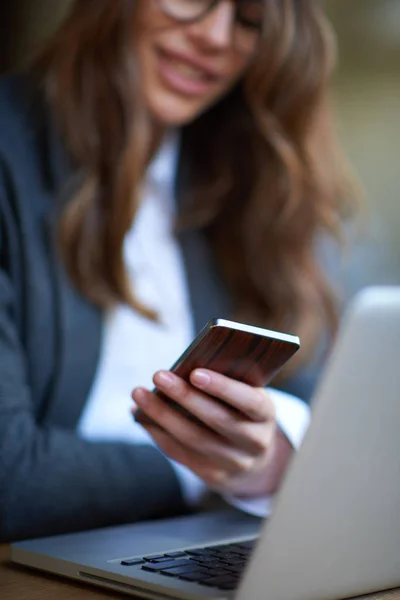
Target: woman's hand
x,y
235,446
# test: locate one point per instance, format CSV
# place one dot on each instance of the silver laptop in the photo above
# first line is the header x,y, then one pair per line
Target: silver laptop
x,y
335,527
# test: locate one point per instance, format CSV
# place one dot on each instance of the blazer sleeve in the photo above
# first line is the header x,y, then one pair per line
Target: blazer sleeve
x,y
53,482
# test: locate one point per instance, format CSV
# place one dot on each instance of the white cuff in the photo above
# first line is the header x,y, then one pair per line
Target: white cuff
x,y
258,507
292,415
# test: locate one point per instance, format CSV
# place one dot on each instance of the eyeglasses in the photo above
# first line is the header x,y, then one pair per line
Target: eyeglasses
x,y
249,15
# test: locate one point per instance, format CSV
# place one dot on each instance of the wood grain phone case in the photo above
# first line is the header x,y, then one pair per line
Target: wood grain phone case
x,y
242,352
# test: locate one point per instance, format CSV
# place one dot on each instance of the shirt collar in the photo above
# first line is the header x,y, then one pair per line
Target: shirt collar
x,y
162,168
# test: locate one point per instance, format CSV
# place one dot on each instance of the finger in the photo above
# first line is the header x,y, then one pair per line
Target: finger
x,y
253,402
203,467
193,436
251,437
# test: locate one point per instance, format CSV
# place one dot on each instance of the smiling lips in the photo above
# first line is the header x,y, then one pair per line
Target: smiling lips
x,y
185,75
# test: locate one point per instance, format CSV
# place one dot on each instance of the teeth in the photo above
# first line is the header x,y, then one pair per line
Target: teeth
x,y
187,70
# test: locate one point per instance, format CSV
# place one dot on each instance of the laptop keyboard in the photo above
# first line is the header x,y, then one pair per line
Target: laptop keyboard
x,y
215,566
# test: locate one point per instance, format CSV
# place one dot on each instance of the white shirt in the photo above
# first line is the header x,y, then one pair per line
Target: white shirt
x,y
134,348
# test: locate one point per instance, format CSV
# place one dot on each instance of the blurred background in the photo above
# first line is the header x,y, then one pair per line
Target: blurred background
x,y
366,98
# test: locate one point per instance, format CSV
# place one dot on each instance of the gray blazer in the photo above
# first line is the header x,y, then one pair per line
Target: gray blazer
x,y
51,481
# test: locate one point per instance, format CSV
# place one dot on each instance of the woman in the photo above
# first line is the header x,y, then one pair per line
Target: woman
x,y
97,293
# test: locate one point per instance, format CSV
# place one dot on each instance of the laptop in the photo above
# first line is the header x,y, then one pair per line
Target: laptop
x,y
334,531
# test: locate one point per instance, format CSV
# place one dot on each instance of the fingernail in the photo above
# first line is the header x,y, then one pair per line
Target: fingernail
x,y
164,379
140,396
200,378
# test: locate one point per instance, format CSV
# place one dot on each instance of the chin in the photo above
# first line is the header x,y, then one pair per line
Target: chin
x,y
171,117
172,112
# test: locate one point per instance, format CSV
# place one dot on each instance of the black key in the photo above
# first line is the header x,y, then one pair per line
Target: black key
x,y
232,561
232,547
154,557
175,554
133,562
219,581
219,572
228,556
156,568
183,570
167,573
194,576
245,553
160,560
199,552
235,568
217,566
203,560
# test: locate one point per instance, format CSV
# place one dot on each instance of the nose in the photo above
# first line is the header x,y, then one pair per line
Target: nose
x,y
215,30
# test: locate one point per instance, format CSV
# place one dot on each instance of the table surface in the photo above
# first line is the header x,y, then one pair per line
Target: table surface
x,y
17,583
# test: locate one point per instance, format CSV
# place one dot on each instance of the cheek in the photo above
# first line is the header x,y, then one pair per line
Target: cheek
x,y
237,71
238,63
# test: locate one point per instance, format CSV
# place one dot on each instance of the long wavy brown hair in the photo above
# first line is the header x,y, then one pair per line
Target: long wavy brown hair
x,y
265,171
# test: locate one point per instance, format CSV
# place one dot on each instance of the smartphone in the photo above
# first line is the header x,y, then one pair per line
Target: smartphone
x,y
243,352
